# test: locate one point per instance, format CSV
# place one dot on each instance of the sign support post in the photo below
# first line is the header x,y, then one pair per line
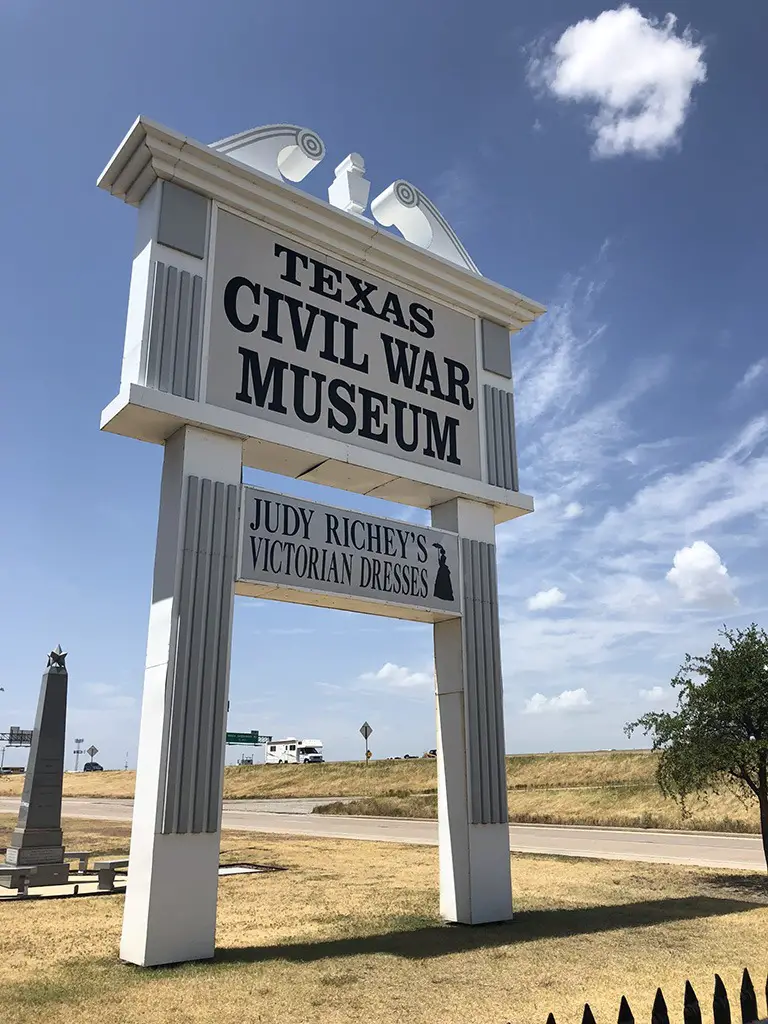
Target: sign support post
x,y
170,906
473,820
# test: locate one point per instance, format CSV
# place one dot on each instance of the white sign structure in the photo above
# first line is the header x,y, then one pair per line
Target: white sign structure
x,y
269,329
297,550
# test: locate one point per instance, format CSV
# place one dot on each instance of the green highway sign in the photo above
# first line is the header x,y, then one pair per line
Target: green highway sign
x,y
236,738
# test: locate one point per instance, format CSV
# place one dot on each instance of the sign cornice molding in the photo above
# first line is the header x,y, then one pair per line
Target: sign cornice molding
x,y
150,152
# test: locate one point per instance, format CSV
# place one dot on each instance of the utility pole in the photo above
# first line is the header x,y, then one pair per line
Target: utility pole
x,y
78,751
126,760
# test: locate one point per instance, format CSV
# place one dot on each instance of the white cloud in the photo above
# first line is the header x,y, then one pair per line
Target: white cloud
x,y
700,576
656,694
638,71
397,676
568,700
545,599
753,372
573,510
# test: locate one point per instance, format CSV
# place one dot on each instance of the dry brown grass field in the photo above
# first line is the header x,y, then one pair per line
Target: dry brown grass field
x,y
379,778
350,932
628,807
599,788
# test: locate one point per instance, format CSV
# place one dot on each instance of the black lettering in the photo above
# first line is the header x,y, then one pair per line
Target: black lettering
x,y
365,571
416,310
439,443
348,359
346,569
231,293
325,277
458,379
301,561
261,385
429,373
414,580
269,526
292,528
314,554
292,259
332,529
256,548
290,548
362,291
407,580
301,334
400,407
358,545
397,582
306,519
372,415
376,574
404,536
371,543
256,515
389,541
400,370
273,546
392,306
328,351
271,332
421,544
340,404
424,583
300,375
387,577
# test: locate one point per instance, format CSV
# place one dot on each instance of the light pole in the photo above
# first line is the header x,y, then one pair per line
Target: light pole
x,y
78,751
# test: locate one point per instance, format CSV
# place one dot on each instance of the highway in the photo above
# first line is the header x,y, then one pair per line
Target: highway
x,y
707,849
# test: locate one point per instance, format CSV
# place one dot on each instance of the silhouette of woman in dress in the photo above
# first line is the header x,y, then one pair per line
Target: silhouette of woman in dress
x,y
443,586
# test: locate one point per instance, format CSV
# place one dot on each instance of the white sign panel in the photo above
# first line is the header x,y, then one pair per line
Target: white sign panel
x,y
306,341
288,544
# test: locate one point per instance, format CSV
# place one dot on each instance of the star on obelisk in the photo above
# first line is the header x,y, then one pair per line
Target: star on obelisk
x,y
56,660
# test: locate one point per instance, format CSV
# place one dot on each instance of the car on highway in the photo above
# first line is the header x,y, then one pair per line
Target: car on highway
x,y
430,753
92,766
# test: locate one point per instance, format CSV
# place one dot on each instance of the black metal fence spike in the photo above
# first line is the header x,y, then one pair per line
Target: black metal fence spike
x,y
588,1017
659,1013
551,1019
721,1008
691,1008
748,999
625,1014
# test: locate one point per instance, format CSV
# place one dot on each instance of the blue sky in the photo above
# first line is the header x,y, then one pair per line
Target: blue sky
x,y
607,162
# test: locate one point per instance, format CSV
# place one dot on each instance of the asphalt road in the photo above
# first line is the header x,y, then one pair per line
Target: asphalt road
x,y
708,849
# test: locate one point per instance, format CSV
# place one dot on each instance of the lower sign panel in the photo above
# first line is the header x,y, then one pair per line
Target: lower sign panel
x,y
300,551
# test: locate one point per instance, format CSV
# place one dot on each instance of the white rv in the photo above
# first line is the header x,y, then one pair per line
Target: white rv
x,y
293,751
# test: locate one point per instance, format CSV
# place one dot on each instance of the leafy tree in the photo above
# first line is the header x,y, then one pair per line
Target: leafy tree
x,y
718,736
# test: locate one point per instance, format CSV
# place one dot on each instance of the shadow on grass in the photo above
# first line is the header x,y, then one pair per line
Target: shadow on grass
x,y
421,943
752,886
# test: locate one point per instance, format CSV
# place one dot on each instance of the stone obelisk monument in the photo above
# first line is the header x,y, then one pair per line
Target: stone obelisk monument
x,y
37,838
